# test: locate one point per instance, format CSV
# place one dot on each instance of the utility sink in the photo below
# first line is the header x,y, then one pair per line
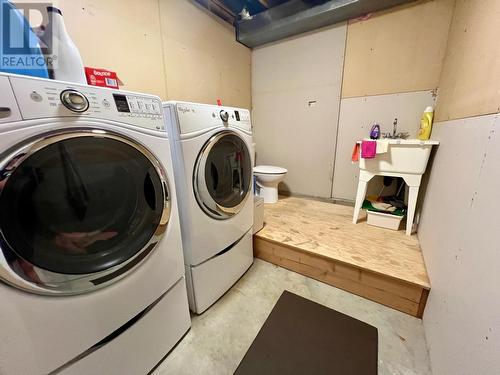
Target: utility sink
x,y
405,158
402,156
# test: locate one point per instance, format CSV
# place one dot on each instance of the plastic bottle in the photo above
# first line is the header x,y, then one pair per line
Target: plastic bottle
x,y
68,64
424,132
375,131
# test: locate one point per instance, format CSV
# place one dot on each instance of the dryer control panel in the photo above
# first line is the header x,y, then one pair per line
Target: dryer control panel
x,y
195,117
41,98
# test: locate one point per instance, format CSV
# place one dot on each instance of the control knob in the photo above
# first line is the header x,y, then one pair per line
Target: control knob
x,y
224,115
74,100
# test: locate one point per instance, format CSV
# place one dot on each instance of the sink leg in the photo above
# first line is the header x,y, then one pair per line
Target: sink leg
x,y
412,203
360,197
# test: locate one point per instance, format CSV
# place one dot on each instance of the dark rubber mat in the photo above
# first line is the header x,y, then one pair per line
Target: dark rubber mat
x,y
303,337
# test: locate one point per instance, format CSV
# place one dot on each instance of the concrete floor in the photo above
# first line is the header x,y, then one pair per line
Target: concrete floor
x,y
220,337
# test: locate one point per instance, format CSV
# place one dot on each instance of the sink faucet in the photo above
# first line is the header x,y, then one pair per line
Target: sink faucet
x,y
395,134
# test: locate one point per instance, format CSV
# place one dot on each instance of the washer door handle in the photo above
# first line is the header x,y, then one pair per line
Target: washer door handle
x,y
5,112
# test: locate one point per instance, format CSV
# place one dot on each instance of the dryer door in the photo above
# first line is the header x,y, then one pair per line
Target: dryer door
x,y
78,210
222,175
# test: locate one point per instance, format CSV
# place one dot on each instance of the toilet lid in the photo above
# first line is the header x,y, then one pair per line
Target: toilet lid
x,y
269,169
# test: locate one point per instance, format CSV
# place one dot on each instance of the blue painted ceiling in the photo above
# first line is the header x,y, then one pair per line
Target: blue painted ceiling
x,y
234,7
253,6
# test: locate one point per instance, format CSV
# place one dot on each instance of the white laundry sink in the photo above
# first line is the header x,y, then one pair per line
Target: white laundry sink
x,y
402,156
405,158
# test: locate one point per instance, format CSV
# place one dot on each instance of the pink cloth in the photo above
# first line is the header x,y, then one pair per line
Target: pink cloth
x,y
368,149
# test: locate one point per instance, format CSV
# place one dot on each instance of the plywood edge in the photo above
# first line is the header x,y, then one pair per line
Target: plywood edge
x,y
350,279
423,285
343,270
423,303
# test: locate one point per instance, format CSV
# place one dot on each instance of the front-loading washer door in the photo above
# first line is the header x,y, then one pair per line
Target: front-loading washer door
x,y
78,210
222,175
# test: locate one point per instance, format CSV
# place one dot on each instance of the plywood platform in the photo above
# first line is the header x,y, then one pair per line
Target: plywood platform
x,y
318,239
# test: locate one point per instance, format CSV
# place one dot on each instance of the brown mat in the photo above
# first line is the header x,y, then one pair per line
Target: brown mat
x,y
303,337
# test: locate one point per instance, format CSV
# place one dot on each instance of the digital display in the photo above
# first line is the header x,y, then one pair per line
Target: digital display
x,y
121,103
237,115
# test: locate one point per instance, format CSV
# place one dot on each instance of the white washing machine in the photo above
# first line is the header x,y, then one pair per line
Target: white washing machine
x,y
90,245
212,154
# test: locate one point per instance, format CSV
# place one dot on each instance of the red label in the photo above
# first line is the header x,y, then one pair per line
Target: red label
x,y
101,77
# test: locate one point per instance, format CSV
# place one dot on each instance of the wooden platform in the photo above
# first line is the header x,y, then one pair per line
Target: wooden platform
x,y
318,239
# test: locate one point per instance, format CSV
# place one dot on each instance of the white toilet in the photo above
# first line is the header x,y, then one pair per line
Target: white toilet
x,y
268,179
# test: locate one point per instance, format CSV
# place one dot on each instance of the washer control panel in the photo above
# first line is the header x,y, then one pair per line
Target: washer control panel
x,y
137,105
40,98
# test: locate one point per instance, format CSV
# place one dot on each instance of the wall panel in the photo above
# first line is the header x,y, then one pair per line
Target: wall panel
x,y
123,36
398,50
471,72
203,61
296,93
459,238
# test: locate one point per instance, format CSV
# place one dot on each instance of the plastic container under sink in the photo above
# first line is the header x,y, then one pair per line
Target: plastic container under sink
x,y
382,220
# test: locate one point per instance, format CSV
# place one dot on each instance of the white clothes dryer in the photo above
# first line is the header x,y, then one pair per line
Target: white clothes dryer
x,y
212,154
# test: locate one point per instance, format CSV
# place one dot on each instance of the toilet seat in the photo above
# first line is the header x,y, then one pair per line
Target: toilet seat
x,y
269,169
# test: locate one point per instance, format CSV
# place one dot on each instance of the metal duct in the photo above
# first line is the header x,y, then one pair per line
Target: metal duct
x,y
218,8
299,16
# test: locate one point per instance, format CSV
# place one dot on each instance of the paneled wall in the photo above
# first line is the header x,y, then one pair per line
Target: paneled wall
x,y
296,94
459,238
123,36
171,48
203,61
471,73
398,50
459,224
383,74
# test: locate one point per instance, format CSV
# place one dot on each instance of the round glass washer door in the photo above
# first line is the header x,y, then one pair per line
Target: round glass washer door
x,y
78,210
222,175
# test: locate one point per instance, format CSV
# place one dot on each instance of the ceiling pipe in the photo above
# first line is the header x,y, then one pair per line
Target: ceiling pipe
x,y
299,16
